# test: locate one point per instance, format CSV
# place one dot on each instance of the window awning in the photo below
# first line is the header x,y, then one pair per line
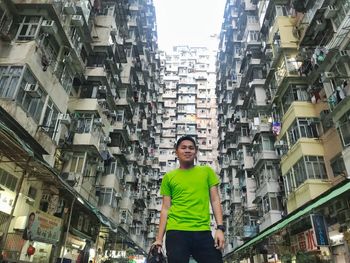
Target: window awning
x,y
302,211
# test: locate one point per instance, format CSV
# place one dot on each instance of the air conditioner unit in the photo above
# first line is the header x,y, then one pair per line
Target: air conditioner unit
x,y
328,75
107,139
69,8
118,195
269,163
344,55
330,12
77,20
64,118
113,114
71,177
268,52
100,168
320,25
114,31
46,197
32,90
67,59
98,121
102,89
101,101
106,111
49,26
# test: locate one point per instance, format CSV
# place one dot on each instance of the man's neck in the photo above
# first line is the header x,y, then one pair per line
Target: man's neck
x,y
186,166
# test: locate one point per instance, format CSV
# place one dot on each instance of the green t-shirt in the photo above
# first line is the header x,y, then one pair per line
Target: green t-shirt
x,y
189,192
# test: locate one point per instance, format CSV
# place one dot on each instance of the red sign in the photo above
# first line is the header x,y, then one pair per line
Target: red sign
x,y
304,241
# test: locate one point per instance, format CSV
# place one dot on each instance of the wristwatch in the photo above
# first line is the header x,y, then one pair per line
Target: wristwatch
x,y
221,227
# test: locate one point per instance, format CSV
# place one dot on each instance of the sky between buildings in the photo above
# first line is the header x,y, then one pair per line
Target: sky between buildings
x,y
188,22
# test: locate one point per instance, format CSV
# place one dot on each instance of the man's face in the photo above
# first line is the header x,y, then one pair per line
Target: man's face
x,y
186,152
31,220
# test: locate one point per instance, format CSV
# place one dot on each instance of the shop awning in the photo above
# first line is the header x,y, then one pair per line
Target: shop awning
x,y
302,211
21,153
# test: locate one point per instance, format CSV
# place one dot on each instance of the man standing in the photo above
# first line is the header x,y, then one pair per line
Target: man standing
x,y
185,215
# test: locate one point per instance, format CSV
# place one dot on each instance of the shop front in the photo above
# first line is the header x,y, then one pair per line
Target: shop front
x,y
317,232
33,238
80,242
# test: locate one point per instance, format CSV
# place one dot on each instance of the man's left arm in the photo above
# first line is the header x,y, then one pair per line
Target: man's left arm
x,y
216,206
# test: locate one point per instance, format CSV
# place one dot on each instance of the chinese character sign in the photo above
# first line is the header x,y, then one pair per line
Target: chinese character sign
x,y
45,227
320,230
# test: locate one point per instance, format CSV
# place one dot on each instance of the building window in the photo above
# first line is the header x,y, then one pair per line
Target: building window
x,y
344,129
253,36
33,99
268,143
28,27
66,79
32,192
315,167
289,181
8,180
50,119
77,163
84,122
338,166
120,116
18,83
303,128
295,93
9,79
107,197
308,167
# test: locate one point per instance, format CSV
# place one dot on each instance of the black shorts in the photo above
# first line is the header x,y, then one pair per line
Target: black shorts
x,y
180,245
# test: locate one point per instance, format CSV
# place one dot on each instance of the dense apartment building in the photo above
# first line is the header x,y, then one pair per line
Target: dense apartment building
x,y
78,128
189,103
283,112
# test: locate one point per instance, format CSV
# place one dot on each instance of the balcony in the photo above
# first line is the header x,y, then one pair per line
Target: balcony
x,y
126,203
267,187
235,199
339,108
269,218
263,127
234,163
96,74
307,191
264,155
243,140
87,139
288,70
247,162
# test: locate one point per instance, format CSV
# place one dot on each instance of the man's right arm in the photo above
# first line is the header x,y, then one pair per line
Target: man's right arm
x,y
163,220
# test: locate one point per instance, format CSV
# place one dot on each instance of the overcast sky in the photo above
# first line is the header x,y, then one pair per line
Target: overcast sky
x,y
188,22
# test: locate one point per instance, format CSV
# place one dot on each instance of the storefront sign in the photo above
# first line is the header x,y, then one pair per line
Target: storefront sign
x,y
320,230
44,227
6,201
304,241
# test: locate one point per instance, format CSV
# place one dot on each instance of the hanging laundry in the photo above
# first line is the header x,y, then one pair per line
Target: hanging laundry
x,y
276,127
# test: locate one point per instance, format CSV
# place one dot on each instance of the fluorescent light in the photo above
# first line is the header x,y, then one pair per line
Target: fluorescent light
x,y
80,200
75,246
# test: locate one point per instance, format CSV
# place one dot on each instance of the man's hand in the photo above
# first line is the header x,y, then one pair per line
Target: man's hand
x,y
219,239
158,244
